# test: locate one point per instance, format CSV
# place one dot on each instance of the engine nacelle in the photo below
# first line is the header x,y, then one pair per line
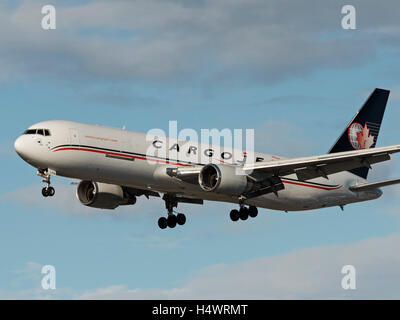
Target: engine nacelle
x,y
223,179
102,195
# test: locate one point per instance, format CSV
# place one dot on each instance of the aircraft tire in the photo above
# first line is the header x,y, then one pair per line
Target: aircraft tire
x,y
234,215
243,213
162,223
253,211
181,219
171,221
51,191
45,192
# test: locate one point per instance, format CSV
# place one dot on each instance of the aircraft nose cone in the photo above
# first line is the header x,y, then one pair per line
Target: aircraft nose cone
x,y
18,146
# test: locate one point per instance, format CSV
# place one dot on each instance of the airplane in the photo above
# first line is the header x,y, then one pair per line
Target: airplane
x,y
116,166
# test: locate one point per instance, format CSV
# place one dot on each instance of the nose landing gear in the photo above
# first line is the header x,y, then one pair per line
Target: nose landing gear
x,y
47,191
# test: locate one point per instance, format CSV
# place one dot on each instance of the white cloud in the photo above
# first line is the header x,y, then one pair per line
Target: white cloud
x,y
26,284
312,273
31,271
211,40
63,201
66,202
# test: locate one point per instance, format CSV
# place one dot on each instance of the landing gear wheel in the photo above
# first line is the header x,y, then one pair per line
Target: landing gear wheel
x,y
45,192
253,211
162,223
51,191
171,220
181,219
234,215
243,213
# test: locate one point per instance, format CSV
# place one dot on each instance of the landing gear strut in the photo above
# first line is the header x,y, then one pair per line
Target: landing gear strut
x,y
172,220
47,191
243,213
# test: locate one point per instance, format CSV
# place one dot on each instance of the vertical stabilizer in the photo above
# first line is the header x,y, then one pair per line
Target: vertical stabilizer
x,y
363,130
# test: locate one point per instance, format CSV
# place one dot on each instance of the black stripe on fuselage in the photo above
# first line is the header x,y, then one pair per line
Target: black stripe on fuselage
x,y
126,152
174,160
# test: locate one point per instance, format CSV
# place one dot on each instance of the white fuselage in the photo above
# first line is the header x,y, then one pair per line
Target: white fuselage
x,y
134,159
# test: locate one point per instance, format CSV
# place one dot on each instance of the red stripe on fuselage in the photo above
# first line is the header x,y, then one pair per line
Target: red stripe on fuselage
x,y
183,165
310,186
124,155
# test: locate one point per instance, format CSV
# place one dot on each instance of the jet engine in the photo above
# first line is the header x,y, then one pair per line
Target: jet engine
x,y
102,195
223,179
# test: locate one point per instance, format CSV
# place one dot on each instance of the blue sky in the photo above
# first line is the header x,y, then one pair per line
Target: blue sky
x,y
287,70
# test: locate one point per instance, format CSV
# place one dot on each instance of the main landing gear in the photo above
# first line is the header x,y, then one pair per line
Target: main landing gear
x,y
243,213
172,220
47,191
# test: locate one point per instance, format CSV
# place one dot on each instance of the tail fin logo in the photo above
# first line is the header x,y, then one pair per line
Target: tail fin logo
x,y
360,137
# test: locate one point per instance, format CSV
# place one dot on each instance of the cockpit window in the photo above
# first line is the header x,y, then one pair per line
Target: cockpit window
x,y
30,131
43,132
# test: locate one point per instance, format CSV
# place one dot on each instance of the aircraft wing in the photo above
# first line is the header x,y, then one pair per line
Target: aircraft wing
x,y
322,165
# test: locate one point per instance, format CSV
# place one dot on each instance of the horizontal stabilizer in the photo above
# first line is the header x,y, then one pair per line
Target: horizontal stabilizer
x,y
374,185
